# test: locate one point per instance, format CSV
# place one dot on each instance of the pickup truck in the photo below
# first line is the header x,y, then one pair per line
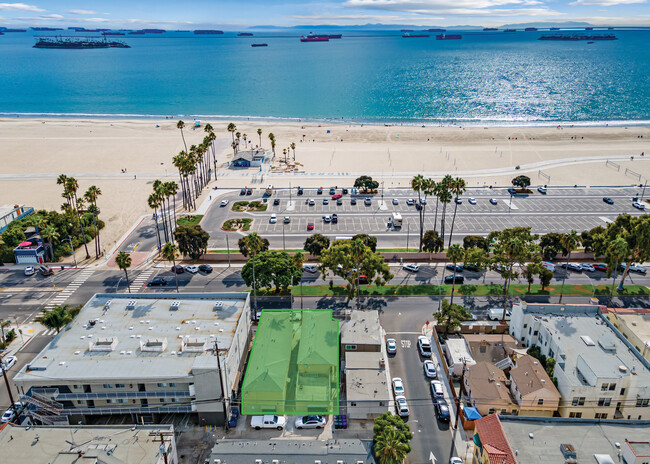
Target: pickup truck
x,y
268,422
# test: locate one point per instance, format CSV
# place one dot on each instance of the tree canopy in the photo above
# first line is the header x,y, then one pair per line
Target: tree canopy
x,y
432,242
252,244
451,315
366,183
192,240
367,240
58,317
513,248
273,269
521,181
316,243
392,439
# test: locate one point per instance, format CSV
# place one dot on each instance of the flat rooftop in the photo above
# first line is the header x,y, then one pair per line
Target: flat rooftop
x,y
636,320
363,328
585,336
144,336
61,444
588,437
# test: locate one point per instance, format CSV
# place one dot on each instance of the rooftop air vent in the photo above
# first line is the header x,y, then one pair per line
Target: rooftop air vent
x,y
153,345
568,451
130,304
587,340
175,305
194,345
218,305
103,344
622,368
607,344
107,305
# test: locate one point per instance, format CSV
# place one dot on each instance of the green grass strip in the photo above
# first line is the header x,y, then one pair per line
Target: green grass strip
x,y
189,220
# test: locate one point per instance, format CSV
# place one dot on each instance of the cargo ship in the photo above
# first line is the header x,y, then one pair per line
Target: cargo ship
x,y
335,36
448,36
555,29
510,30
153,31
576,37
589,28
259,45
436,30
136,33
414,36
245,34
311,37
113,33
530,29
14,30
490,29
207,32
46,29
78,44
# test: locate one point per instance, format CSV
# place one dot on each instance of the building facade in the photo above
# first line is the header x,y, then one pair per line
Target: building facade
x,y
362,332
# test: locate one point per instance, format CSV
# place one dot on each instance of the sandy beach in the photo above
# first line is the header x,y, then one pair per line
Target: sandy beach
x,y
33,152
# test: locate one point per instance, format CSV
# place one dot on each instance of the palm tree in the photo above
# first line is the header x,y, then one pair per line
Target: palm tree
x,y
232,128
457,187
63,180
180,125
389,449
72,185
56,318
50,233
259,133
123,261
169,254
569,243
293,147
172,189
245,137
455,255
445,199
436,188
91,196
254,244
417,184
178,162
284,152
272,139
153,203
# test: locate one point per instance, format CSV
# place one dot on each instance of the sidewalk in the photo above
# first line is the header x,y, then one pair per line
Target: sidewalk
x,y
29,331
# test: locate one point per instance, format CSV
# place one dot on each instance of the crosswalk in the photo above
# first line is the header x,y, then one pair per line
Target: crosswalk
x,y
62,296
140,282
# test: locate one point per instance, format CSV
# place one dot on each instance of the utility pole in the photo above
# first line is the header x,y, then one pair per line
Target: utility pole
x,y
643,192
163,448
408,232
460,392
228,248
223,390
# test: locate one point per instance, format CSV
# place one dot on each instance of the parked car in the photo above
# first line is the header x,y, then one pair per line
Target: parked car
x,y
205,268
327,218
572,266
268,422
608,200
459,279
442,410
178,269
310,422
326,201
337,196
273,219
402,406
192,269
395,201
410,202
276,202
363,279
423,201
411,267
451,267
319,191
249,191
471,267
345,191
471,201
391,346
8,362
300,191
458,200
157,282
8,416
542,190
335,218
587,267
430,369
223,203
512,191
639,205
243,191
332,190
367,202
30,271
353,201
311,202
287,219
310,226
601,267
493,201
310,268
398,386
436,389
424,346
637,268
45,270
339,202
455,460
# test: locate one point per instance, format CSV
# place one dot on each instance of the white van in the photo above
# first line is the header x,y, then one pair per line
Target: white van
x,y
496,314
436,389
397,220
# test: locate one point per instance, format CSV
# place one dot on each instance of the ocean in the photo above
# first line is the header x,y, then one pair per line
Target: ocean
x,y
488,78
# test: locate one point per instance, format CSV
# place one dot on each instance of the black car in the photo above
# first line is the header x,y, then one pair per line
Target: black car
x,y
353,201
335,218
157,282
300,191
471,267
249,191
205,268
450,266
345,191
459,279
442,410
276,202
608,200
319,191
242,191
178,269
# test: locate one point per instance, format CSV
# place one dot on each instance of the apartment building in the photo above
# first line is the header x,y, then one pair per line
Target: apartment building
x,y
142,355
600,374
634,324
532,388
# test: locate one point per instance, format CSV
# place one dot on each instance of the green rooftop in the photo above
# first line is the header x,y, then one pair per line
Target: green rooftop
x,y
294,365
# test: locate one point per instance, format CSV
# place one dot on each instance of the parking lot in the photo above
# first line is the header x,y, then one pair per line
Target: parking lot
x,y
560,210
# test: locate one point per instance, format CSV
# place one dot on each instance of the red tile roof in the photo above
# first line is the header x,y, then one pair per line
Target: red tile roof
x,y
494,440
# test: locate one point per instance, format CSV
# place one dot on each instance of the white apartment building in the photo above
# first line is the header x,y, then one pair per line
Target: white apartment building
x,y
599,373
143,355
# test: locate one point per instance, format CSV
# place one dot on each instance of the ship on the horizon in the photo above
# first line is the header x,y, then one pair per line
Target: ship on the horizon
x,y
589,28
260,45
406,30
14,30
153,31
437,30
576,37
311,37
245,34
113,33
408,35
136,33
530,29
554,29
78,44
448,37
46,29
490,29
510,30
207,31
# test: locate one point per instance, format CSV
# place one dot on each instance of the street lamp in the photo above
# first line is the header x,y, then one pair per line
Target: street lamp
x,y
74,253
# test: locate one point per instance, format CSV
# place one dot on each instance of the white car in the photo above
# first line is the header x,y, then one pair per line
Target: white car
x,y
395,202
587,267
8,416
411,267
639,205
192,269
311,202
455,460
430,369
398,386
472,201
8,362
30,271
637,268
542,190
327,218
391,346
273,219
310,422
310,268
402,406
223,203
410,202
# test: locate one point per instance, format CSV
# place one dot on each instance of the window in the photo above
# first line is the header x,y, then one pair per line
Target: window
x,y
612,386
504,411
530,329
578,401
491,411
174,400
382,403
110,401
551,353
483,349
622,391
172,384
604,387
353,403
642,402
604,401
525,325
108,385
540,401
122,401
75,386
601,415
350,347
119,385
576,415
162,385
535,333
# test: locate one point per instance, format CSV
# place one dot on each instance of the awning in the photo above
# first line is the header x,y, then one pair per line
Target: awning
x,y
471,413
25,244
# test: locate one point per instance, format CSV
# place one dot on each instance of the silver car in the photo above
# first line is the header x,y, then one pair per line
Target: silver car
x,y
310,422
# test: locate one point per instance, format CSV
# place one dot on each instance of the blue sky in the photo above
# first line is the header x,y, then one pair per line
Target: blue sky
x,y
190,14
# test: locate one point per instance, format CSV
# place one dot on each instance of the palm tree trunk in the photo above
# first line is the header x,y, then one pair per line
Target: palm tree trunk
x,y
435,219
83,235
175,221
451,231
566,271
183,137
453,286
128,285
157,229
175,274
442,222
164,216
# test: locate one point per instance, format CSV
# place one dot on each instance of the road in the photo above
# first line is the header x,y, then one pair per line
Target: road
x,y
560,210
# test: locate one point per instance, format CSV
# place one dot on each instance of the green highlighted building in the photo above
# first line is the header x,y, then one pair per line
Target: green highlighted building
x,y
294,365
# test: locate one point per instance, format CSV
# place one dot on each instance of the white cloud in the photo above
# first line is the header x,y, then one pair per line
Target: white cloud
x,y
434,5
96,20
384,19
82,12
605,2
52,16
19,7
